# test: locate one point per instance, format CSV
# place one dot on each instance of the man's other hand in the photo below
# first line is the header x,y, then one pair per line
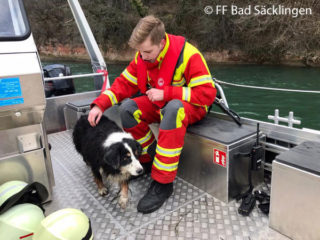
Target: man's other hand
x,y
95,115
155,94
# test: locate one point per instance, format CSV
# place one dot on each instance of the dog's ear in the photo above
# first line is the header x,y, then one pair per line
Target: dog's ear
x,y
112,156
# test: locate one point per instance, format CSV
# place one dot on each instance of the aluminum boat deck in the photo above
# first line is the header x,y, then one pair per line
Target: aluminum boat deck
x,y
189,213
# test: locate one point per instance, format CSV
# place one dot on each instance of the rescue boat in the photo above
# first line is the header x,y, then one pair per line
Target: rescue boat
x,y
231,170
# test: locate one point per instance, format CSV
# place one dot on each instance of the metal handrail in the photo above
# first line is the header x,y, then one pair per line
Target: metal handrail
x,y
274,147
74,76
97,60
266,88
223,97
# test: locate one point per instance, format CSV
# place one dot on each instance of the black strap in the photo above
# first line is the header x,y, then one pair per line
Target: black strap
x,y
264,207
228,111
34,193
89,233
264,201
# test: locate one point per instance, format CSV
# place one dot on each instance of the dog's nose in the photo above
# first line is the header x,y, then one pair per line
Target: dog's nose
x,y
140,171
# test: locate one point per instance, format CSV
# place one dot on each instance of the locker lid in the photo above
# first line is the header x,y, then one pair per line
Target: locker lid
x,y
305,156
81,104
223,131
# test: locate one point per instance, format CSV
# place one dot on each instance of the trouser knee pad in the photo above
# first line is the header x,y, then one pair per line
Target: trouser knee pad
x,y
172,115
129,113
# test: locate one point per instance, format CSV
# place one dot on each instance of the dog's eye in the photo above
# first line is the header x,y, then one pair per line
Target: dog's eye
x,y
125,160
128,154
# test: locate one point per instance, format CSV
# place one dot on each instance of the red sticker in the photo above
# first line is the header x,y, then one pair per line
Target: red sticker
x,y
25,236
219,157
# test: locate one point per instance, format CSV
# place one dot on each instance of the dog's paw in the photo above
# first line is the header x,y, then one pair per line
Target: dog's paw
x,y
123,201
103,191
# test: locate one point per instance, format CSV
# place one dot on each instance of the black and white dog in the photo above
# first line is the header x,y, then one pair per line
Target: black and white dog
x,y
108,151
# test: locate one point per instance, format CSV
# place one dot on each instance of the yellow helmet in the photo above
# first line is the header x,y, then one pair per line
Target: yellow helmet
x,y
17,192
65,224
20,221
9,189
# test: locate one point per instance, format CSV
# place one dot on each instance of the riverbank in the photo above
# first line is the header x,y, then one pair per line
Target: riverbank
x,y
68,53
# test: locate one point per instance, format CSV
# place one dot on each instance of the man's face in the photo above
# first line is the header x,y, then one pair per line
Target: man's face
x,y
149,51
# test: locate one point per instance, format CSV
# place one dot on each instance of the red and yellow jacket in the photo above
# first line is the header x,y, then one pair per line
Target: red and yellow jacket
x,y
180,70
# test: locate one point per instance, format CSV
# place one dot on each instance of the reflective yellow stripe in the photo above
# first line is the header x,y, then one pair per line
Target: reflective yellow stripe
x,y
180,117
186,94
165,167
137,114
200,80
136,57
145,149
167,152
161,116
198,105
188,52
146,138
178,83
111,96
205,63
129,77
204,106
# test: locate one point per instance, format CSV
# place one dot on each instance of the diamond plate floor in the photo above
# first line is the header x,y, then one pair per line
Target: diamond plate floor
x,y
189,213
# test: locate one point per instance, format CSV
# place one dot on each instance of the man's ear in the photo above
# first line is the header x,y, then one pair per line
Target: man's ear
x,y
113,155
162,43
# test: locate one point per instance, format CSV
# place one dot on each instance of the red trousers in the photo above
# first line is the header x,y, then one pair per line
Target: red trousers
x,y
174,118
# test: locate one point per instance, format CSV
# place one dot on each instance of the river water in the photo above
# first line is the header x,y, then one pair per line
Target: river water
x,y
250,103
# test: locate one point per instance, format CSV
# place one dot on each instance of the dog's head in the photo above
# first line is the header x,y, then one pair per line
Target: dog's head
x,y
123,156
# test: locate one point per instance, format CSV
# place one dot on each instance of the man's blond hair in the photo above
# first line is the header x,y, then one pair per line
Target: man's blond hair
x,y
147,26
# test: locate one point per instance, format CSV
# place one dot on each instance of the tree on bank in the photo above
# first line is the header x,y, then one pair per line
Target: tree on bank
x,y
259,38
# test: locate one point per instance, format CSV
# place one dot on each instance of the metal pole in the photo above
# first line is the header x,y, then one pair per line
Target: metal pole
x,y
223,97
73,76
97,60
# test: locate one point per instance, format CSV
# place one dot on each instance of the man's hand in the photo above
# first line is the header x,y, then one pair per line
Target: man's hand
x,y
155,94
95,115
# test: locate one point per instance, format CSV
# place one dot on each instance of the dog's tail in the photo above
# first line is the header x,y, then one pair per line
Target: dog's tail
x,y
80,131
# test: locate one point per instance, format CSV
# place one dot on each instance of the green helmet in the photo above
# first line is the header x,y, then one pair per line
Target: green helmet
x,y
17,192
65,224
20,221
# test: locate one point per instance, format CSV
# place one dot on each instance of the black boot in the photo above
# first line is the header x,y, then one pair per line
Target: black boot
x,y
156,195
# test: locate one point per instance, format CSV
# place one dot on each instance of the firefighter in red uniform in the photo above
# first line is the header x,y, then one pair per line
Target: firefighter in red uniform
x,y
177,90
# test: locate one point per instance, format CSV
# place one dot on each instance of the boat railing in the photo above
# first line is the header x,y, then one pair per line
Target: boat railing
x,y
74,76
276,118
290,119
266,88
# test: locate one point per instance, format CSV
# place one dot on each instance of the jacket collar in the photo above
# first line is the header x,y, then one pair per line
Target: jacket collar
x,y
164,50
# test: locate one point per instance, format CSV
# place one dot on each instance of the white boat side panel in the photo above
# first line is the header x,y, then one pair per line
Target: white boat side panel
x,y
23,46
23,64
